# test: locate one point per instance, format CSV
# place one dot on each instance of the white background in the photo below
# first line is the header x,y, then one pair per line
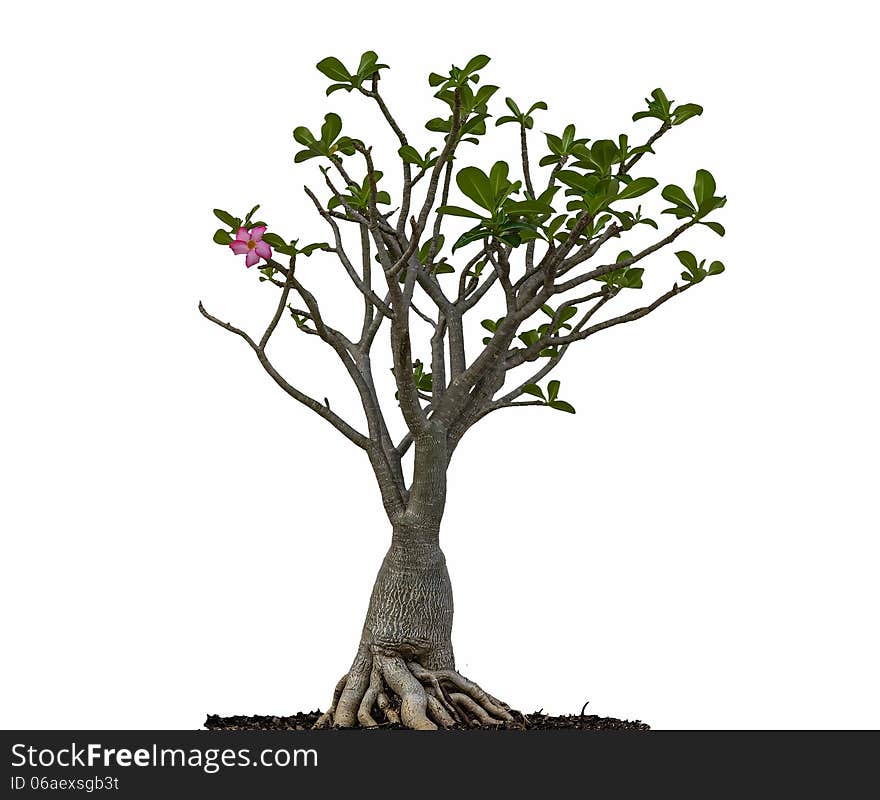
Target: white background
x,y
697,547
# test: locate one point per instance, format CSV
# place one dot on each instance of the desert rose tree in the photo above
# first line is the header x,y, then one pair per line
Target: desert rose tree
x,y
542,245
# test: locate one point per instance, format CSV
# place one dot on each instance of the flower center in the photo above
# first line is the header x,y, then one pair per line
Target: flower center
x,y
251,244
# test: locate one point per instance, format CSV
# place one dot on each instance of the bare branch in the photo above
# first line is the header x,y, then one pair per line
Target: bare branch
x,y
521,355
606,268
270,329
360,283
445,156
524,152
637,313
627,166
319,408
408,182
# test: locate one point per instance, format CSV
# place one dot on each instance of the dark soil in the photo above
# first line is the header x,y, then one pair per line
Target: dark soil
x,y
536,721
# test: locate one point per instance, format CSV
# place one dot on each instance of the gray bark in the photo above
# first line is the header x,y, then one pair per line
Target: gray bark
x,y
410,610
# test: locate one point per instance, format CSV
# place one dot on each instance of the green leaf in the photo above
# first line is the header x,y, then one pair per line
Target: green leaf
x,y
475,184
227,218
498,179
632,278
685,112
334,69
715,268
561,405
577,181
661,100
274,239
439,125
534,390
409,154
475,64
715,226
637,188
222,237
528,207
603,153
368,65
704,188
555,224
435,80
567,313
687,259
553,390
675,194
331,128
473,235
458,211
310,248
484,94
555,144
304,136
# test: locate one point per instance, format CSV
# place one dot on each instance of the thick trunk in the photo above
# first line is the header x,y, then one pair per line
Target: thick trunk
x,y
404,669
410,611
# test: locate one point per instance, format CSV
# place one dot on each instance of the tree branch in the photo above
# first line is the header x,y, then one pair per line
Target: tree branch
x,y
319,408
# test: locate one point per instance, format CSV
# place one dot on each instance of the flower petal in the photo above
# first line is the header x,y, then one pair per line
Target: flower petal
x,y
243,235
239,247
257,233
252,258
263,250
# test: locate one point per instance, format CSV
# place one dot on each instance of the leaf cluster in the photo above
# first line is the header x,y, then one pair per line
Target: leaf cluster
x,y
334,69
551,398
705,201
501,216
328,144
695,271
524,118
456,90
660,107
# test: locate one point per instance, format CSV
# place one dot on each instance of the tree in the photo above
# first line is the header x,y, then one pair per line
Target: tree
x,y
533,246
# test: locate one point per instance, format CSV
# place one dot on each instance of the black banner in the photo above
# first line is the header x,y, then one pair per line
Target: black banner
x,y
150,764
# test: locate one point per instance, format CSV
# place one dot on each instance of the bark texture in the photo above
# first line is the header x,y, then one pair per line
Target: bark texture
x,y
404,668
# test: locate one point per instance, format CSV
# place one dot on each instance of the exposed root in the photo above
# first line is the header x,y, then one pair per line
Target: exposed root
x,y
474,708
437,712
383,688
413,700
384,705
326,719
365,717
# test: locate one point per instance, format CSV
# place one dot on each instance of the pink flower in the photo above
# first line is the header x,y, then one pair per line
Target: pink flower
x,y
250,243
